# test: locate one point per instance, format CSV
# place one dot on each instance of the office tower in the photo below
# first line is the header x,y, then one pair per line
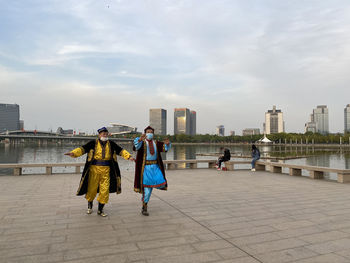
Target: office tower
x,y
182,121
232,133
9,117
274,121
193,123
320,118
250,131
220,130
311,125
158,120
347,119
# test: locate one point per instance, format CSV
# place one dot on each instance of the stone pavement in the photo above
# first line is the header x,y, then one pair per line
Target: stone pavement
x,y
205,216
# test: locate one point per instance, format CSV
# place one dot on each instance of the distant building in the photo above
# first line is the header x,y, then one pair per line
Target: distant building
x,y
311,125
251,131
117,128
182,121
158,121
347,119
64,132
9,117
193,123
274,121
220,130
320,117
319,120
232,133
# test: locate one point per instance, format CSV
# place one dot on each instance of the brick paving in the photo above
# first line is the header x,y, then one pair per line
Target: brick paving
x,y
205,216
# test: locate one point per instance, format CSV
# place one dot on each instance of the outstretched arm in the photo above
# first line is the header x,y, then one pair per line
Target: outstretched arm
x,y
77,152
126,155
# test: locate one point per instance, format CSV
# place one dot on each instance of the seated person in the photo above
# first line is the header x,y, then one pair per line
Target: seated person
x,y
224,158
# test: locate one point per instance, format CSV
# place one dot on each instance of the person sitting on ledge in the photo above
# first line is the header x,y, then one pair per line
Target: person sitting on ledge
x,y
101,172
224,158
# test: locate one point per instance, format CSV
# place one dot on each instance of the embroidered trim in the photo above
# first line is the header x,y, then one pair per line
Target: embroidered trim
x,y
153,186
151,162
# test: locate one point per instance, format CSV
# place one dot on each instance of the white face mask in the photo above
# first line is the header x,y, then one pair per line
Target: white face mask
x,y
104,139
149,136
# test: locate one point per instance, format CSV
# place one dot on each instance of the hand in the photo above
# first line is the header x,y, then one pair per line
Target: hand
x,y
69,154
166,141
132,159
143,136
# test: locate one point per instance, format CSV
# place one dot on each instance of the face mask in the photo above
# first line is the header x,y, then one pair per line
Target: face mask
x,y
149,136
104,139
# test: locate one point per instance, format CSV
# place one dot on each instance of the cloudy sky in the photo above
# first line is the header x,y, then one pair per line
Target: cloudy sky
x,y
83,64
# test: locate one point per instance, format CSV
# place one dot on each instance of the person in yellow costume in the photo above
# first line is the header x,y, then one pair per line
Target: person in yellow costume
x,y
101,173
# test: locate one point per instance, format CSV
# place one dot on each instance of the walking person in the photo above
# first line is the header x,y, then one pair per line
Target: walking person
x,y
101,172
255,156
149,168
224,158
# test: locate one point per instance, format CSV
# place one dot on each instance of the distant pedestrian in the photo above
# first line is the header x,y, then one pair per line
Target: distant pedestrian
x,y
224,158
101,172
255,156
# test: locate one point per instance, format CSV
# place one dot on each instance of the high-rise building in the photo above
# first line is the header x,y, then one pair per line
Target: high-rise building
x,y
311,125
9,117
220,130
158,120
232,133
250,131
193,123
274,121
182,121
347,119
320,118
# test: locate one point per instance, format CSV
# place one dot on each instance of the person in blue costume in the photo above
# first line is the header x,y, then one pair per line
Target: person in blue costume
x,y
149,169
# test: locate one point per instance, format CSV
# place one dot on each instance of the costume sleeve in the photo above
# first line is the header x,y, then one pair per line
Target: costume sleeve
x,y
137,144
78,152
125,154
167,147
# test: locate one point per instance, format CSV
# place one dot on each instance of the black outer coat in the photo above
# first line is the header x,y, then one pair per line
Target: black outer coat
x,y
114,174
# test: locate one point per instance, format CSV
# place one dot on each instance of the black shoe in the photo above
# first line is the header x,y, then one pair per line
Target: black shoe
x,y
89,210
100,210
144,209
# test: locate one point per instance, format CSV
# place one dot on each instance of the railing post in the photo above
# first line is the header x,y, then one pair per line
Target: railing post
x,y
343,178
17,171
229,166
193,165
260,167
48,170
276,169
316,174
171,166
294,172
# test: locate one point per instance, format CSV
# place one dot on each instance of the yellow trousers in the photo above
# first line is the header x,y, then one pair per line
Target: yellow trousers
x,y
98,178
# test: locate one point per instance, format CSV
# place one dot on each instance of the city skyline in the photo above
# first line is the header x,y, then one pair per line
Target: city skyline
x,y
85,64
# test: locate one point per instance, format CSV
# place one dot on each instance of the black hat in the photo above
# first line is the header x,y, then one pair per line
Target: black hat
x,y
148,128
103,129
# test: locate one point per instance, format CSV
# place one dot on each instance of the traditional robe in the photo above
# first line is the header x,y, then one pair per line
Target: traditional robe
x,y
141,159
114,172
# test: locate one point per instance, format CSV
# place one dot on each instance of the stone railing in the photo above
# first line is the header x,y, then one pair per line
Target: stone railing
x,y
315,172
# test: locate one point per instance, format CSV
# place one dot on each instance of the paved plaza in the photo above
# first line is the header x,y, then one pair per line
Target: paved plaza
x,y
205,216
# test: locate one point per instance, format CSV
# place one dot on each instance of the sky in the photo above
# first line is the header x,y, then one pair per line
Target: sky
x,y
84,64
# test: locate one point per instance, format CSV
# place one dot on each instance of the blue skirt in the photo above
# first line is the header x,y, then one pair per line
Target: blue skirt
x,y
153,176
